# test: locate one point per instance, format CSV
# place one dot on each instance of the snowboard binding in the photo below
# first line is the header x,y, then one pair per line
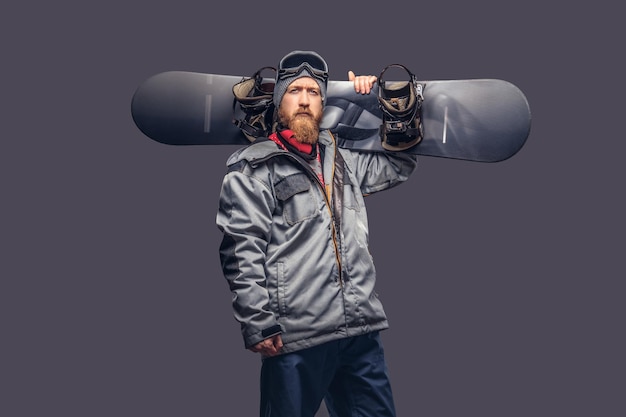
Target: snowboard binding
x,y
401,105
254,96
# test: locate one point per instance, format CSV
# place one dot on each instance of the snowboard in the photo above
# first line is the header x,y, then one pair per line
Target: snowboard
x,y
483,120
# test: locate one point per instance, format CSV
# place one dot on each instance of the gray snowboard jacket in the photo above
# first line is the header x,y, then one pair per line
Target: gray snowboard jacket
x,y
295,251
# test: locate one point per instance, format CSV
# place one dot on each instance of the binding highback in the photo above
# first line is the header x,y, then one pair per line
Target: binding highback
x,y
401,105
254,96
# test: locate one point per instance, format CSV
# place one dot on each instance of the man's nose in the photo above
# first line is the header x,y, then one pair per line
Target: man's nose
x,y
304,98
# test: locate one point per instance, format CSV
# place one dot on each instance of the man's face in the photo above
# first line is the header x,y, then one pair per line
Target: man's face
x,y
301,109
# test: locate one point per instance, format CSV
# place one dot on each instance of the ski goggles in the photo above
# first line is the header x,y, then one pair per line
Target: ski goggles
x,y
296,62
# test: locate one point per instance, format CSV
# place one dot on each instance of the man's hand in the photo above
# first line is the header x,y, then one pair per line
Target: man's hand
x,y
363,83
269,347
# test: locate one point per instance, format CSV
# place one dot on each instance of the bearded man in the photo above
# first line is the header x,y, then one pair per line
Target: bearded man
x,y
295,254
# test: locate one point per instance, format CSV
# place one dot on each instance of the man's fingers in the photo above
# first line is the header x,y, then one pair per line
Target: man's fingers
x,y
278,342
268,347
363,83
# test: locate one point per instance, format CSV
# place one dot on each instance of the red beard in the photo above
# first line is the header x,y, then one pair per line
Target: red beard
x,y
304,124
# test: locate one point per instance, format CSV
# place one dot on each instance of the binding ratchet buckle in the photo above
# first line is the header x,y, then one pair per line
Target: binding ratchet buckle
x,y
254,96
401,105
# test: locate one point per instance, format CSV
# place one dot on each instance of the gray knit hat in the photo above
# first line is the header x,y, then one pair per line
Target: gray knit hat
x,y
299,64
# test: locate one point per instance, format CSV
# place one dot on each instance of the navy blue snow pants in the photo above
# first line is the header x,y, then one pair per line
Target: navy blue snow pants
x,y
350,375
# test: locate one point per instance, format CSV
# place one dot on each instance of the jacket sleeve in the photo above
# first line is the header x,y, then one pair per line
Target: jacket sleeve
x,y
377,171
244,217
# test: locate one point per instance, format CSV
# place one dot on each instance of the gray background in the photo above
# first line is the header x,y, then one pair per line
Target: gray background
x,y
503,282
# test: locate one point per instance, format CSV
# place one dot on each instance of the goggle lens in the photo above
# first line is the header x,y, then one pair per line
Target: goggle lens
x,y
296,63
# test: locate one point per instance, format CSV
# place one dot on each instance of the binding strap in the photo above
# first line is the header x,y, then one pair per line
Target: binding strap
x,y
254,96
401,105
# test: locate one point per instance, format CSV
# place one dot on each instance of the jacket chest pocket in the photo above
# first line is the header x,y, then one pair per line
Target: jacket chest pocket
x,y
296,198
350,189
350,198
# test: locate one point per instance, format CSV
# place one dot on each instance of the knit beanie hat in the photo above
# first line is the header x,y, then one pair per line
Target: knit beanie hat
x,y
298,64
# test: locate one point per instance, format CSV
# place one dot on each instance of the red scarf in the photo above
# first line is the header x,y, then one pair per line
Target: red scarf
x,y
288,135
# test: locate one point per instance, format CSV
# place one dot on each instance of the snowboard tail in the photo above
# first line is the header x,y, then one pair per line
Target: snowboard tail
x,y
483,120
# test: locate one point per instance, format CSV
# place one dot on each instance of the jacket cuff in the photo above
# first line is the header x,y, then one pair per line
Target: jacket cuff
x,y
253,339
